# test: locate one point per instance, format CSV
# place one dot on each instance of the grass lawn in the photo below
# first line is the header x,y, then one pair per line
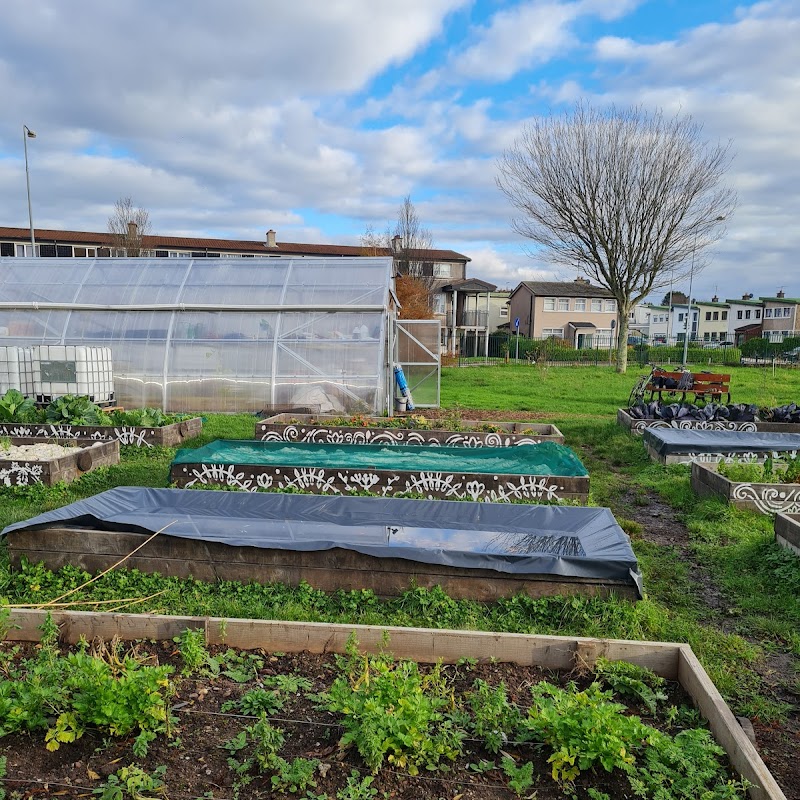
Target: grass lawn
x,y
759,614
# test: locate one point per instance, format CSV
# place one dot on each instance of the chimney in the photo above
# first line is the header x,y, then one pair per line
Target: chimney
x,y
715,299
271,238
397,243
133,230
582,280
747,296
780,295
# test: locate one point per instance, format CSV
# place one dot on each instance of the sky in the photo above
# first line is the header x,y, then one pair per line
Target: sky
x,y
316,118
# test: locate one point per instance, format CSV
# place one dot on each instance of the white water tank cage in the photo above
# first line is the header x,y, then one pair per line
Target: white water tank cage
x,y
216,334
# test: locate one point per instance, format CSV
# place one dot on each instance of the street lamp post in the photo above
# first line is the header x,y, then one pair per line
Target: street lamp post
x,y
689,300
27,133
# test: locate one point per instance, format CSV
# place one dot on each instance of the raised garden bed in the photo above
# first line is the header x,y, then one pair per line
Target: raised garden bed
x,y
671,446
768,498
40,462
167,436
251,654
454,473
638,426
331,429
386,545
787,531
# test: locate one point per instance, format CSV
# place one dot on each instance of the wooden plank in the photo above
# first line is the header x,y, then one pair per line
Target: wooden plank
x,y
420,644
742,754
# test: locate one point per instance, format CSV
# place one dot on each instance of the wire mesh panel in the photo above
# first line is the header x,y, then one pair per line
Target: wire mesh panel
x,y
417,344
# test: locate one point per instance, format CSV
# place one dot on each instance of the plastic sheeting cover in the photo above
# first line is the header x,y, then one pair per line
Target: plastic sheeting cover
x,y
670,440
545,458
515,539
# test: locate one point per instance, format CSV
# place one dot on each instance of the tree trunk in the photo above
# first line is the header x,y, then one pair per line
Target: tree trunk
x,y
622,341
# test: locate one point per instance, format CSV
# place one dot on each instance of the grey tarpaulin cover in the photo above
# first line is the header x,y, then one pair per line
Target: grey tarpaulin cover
x,y
510,538
670,440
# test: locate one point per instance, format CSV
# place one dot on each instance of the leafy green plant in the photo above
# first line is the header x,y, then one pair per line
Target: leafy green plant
x,y
295,775
357,788
256,702
15,407
132,782
75,410
145,417
392,712
520,779
630,680
493,716
192,650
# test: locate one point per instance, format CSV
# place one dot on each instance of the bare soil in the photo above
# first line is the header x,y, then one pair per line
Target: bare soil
x,y
196,760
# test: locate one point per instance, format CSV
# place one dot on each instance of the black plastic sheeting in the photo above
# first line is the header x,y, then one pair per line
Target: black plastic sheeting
x,y
509,538
666,441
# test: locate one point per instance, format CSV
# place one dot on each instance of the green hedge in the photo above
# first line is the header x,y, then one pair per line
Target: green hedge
x,y
695,355
763,348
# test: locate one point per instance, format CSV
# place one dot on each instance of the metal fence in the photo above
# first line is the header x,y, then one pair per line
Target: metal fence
x,y
501,349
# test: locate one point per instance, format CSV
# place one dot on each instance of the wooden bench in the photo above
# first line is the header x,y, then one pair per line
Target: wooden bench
x,y
705,386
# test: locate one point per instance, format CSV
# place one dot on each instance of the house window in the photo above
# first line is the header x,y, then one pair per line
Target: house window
x,y
738,315
609,306
580,305
597,305
563,304
724,315
787,312
716,315
549,304
549,333
708,315
503,311
438,304
47,251
6,248
758,313
747,314
767,312
680,317
441,270
707,337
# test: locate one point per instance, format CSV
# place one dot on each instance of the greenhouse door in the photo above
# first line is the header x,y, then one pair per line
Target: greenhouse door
x,y
417,344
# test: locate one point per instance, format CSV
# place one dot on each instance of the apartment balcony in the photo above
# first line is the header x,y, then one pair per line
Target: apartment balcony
x,y
472,319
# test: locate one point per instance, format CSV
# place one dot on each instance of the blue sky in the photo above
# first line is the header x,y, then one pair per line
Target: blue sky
x,y
316,118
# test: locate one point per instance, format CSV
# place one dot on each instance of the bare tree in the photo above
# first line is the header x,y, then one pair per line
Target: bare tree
x,y
626,196
408,243
128,226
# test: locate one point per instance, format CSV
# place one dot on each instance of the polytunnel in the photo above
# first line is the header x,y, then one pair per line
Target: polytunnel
x,y
217,334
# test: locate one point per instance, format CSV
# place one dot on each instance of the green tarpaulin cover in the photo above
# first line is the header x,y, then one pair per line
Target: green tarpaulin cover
x,y
546,458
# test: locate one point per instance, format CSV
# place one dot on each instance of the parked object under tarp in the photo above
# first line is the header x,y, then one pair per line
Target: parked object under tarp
x,y
669,441
507,539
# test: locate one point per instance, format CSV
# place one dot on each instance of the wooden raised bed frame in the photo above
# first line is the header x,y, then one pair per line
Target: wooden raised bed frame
x,y
166,436
768,498
787,531
299,428
674,662
387,483
84,456
637,426
329,570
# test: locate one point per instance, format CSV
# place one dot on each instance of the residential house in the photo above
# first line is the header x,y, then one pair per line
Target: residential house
x,y
745,317
582,314
659,324
780,317
680,325
712,323
471,308
639,320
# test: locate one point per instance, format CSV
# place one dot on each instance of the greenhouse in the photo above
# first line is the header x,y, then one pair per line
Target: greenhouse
x,y
226,334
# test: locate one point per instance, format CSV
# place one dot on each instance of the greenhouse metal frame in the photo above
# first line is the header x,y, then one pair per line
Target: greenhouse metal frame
x,y
218,334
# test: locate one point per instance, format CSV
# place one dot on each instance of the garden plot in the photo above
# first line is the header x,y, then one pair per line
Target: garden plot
x,y
546,472
412,429
766,487
771,422
29,460
670,446
171,435
207,706
481,551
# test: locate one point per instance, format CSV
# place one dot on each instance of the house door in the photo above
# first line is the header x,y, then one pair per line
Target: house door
x,y
584,341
